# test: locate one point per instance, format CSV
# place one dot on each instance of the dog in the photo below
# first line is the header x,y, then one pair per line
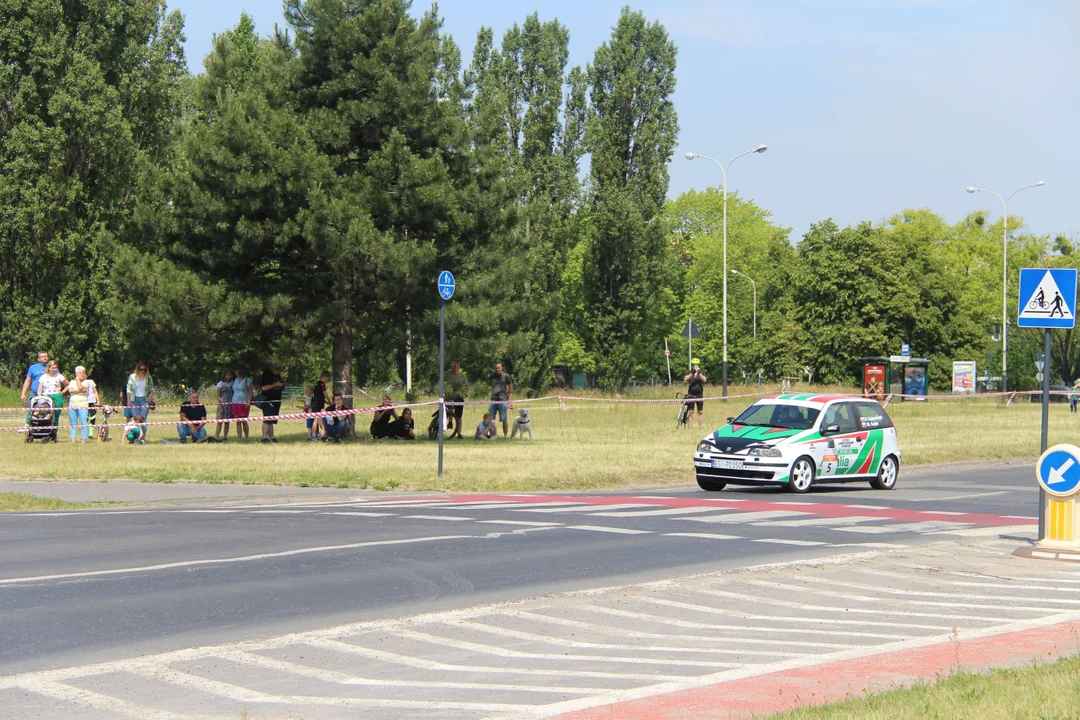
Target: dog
x,y
522,423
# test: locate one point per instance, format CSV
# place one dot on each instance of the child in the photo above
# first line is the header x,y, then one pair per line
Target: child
x,y
133,431
312,423
404,428
486,430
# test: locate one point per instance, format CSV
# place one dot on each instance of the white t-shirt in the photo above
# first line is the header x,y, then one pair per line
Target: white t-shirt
x,y
51,384
91,391
79,393
140,388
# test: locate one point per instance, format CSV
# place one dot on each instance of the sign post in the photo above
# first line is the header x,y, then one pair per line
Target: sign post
x,y
667,358
447,285
692,332
1047,300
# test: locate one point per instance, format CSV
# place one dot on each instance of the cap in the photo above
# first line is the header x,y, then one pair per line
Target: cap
x,y
695,361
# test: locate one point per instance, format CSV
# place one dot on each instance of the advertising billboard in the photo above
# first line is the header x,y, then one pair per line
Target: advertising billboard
x,y
963,376
915,380
874,381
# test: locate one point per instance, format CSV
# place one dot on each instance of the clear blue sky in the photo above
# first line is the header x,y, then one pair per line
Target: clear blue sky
x,y
867,106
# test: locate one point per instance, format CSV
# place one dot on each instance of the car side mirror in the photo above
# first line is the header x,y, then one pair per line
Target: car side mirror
x,y
830,430
731,421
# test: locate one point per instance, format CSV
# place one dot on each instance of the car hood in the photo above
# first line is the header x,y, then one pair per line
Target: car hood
x,y
735,437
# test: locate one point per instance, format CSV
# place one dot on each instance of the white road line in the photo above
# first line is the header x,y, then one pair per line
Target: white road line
x,y
869,529
358,513
247,695
526,523
452,518
1019,584
869,507
256,660
736,516
222,512
781,541
623,632
817,521
591,507
930,593
728,612
786,631
655,513
959,497
987,531
498,651
851,610
946,512
97,701
601,528
277,512
710,536
228,560
565,642
424,664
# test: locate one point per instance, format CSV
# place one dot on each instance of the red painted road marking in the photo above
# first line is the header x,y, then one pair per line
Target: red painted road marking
x,y
829,682
835,510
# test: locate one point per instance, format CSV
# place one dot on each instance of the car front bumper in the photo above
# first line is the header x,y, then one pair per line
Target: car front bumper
x,y
754,471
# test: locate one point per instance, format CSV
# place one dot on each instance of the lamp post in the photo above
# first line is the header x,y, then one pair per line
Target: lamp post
x,y
1005,278
723,170
736,272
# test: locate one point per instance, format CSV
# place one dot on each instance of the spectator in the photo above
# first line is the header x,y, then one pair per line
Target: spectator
x,y
124,396
457,385
241,402
404,428
1074,396
502,389
52,384
486,430
224,404
134,432
78,392
318,404
335,426
140,392
382,425
695,391
271,387
92,400
30,384
193,412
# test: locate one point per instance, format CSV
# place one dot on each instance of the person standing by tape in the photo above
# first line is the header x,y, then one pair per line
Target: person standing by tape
x,y
271,386
33,374
695,390
457,385
502,388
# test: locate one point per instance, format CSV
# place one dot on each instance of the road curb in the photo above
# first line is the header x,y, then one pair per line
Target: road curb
x,y
840,680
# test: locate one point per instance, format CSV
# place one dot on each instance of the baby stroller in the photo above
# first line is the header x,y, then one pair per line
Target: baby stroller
x,y
684,412
433,427
41,420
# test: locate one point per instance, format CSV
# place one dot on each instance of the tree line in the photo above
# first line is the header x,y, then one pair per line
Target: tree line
x,y
293,203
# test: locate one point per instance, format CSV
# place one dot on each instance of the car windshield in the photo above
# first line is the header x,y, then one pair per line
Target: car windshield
x,y
794,417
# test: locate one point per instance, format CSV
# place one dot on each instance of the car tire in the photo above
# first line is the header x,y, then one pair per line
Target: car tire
x,y
802,475
887,474
711,485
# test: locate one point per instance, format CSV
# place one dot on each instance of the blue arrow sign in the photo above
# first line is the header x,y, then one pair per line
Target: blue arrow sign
x,y
1047,298
1058,470
446,285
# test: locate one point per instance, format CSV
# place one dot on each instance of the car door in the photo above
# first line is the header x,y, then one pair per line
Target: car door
x,y
845,442
880,433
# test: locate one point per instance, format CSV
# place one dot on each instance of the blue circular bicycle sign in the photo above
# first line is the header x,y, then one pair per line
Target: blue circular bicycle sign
x,y
1058,470
446,285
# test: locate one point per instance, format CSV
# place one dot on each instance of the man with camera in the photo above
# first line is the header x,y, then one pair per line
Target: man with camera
x,y
696,391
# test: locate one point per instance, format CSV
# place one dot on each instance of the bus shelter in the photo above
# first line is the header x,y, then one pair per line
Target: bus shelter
x,y
894,375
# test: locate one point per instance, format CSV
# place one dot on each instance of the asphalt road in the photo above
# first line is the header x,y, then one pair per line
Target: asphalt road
x,y
90,586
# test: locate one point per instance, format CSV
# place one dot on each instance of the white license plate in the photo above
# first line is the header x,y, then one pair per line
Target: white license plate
x,y
728,464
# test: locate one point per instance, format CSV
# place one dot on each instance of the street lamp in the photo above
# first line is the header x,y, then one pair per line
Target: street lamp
x,y
1005,278
736,272
723,170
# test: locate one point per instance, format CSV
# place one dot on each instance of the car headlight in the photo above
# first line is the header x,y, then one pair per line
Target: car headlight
x,y
705,447
764,452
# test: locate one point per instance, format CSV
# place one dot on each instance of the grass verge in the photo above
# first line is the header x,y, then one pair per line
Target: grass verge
x,y
586,446
21,502
1048,691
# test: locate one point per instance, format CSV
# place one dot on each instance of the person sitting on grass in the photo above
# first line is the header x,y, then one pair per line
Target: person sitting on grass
x,y
134,433
192,424
404,428
335,426
486,430
382,426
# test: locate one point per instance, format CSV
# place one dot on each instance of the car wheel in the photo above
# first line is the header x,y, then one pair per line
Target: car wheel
x,y
711,485
802,475
887,474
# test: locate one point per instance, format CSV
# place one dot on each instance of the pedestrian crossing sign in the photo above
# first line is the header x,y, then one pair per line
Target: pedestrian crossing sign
x,y
1047,298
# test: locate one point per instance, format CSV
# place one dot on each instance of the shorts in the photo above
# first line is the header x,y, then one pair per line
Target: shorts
x,y
500,408
695,401
240,410
224,411
271,408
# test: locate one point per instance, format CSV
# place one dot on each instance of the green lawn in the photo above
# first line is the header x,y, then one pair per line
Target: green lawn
x,y
1043,692
21,502
588,445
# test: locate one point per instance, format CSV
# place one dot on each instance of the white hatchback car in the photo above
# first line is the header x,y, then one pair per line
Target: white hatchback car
x,y
798,440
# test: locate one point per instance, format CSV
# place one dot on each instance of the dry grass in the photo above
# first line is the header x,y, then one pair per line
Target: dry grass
x,y
21,502
1046,691
588,445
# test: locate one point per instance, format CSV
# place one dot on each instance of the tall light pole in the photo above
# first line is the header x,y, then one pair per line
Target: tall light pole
x,y
736,272
1005,278
723,170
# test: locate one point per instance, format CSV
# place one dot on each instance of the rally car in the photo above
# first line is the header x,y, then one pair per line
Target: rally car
x,y
795,441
